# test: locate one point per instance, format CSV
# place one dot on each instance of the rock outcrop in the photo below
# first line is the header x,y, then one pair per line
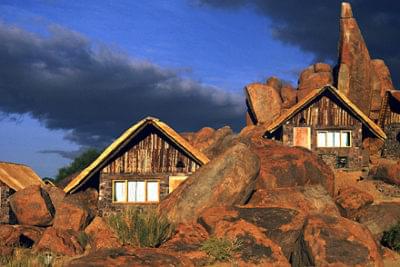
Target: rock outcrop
x,y
264,102
60,242
101,235
354,61
351,200
336,241
308,199
71,216
314,77
283,166
387,172
32,206
227,179
152,257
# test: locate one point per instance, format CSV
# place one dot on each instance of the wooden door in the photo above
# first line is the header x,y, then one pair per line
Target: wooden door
x,y
302,137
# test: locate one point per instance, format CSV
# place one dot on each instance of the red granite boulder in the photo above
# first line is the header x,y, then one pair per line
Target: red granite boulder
x,y
60,242
387,172
282,226
101,235
71,216
152,257
225,180
350,200
289,96
354,62
32,206
264,102
307,199
336,241
283,166
314,77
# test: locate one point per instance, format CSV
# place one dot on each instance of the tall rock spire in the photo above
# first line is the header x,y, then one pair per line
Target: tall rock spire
x,y
354,61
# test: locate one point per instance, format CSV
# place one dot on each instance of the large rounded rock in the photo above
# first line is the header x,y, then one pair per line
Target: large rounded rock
x,y
283,166
289,96
101,235
226,180
274,82
256,248
60,242
308,199
336,241
152,257
350,200
32,206
389,173
217,143
12,236
71,216
281,225
379,217
264,102
314,77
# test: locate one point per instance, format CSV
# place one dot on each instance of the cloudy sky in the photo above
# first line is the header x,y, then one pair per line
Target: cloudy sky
x,y
75,74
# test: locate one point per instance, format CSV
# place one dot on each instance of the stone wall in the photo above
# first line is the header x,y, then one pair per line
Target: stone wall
x,y
105,203
354,154
391,148
6,215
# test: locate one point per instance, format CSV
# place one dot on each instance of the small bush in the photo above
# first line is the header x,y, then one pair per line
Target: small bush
x,y
391,238
142,228
220,249
83,239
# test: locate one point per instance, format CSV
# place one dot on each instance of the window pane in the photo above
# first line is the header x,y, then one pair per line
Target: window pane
x,y
321,139
345,139
152,191
119,191
136,191
336,139
132,191
329,139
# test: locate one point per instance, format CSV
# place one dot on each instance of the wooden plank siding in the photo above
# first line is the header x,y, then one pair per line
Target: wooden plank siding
x,y
153,154
324,113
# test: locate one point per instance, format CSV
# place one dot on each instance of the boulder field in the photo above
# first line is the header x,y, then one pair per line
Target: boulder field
x,y
278,203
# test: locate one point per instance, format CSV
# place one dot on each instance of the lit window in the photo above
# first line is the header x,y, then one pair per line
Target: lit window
x,y
135,191
333,138
119,191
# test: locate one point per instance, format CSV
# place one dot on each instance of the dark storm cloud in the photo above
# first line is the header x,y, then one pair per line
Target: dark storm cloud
x,y
314,25
96,93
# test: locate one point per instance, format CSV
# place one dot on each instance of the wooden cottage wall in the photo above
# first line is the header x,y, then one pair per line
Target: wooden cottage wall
x,y
6,215
149,156
392,129
326,114
153,154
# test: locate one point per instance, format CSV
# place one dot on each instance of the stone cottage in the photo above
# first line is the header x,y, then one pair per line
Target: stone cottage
x,y
141,167
389,120
328,123
14,177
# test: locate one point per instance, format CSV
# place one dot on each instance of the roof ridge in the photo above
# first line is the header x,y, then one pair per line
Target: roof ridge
x,y
14,163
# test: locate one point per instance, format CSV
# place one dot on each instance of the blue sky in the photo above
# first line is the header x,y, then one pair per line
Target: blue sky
x,y
214,48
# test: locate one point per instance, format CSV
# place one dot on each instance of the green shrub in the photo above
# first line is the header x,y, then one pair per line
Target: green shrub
x,y
391,238
220,249
83,239
141,228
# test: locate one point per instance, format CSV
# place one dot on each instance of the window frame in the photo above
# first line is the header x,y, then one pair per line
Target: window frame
x,y
127,192
340,138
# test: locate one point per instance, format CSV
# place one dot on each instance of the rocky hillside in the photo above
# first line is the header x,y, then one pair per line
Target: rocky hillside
x,y
256,203
277,205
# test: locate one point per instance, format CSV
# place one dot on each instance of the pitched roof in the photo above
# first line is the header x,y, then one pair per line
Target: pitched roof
x,y
117,145
273,126
18,176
